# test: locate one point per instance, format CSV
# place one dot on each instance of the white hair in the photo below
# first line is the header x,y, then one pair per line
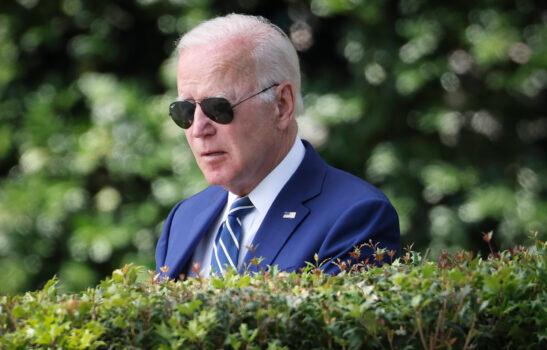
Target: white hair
x,y
272,51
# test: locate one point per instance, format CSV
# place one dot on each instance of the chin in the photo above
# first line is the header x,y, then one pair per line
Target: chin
x,y
217,179
225,182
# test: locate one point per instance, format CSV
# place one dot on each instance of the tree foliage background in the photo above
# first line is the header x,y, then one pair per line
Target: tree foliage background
x,y
440,104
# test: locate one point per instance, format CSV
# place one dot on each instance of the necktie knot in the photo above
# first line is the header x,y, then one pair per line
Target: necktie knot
x,y
241,207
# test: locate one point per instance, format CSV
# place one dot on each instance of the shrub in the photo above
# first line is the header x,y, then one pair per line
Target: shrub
x,y
458,301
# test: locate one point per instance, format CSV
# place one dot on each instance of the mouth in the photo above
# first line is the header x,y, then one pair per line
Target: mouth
x,y
212,155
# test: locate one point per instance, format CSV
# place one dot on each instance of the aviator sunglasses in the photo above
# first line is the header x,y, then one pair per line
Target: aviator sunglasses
x,y
218,109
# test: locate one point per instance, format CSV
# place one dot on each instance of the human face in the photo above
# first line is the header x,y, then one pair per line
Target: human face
x,y
240,154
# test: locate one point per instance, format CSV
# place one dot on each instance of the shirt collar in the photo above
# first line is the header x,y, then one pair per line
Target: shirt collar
x,y
263,195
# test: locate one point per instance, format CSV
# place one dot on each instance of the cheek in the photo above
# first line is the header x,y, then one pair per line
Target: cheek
x,y
254,152
187,137
192,148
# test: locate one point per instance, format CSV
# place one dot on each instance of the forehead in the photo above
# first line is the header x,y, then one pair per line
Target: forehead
x,y
205,68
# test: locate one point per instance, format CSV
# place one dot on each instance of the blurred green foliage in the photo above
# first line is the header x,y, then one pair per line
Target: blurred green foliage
x,y
442,105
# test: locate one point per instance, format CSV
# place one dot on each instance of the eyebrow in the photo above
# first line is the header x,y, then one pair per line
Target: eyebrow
x,y
220,94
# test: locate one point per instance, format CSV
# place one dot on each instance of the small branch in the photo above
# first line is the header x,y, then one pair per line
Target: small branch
x,y
469,334
426,255
420,330
440,320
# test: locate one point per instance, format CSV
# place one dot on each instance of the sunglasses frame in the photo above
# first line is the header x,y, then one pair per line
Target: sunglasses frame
x,y
186,122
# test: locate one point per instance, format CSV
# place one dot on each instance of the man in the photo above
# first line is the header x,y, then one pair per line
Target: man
x,y
272,199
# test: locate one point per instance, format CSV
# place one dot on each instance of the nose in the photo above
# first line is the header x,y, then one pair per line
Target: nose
x,y
202,125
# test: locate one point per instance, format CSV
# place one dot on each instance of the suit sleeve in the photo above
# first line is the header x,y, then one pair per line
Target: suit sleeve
x,y
369,220
163,242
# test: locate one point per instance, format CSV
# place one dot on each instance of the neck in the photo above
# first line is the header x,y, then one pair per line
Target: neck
x,y
281,153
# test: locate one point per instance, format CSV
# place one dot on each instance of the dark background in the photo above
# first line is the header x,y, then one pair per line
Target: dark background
x,y
440,104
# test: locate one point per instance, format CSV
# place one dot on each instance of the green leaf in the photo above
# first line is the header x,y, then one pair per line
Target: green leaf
x,y
217,282
416,300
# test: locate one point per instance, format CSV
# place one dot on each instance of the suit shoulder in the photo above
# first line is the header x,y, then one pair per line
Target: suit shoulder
x,y
346,185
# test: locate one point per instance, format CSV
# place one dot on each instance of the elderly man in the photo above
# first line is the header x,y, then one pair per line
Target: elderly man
x,y
272,199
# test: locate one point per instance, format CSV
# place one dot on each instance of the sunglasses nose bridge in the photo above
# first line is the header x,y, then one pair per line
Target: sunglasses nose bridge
x,y
202,124
199,113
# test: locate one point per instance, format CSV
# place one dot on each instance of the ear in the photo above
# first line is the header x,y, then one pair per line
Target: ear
x,y
285,105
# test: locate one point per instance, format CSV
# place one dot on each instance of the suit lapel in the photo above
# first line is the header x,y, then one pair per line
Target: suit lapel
x,y
184,243
287,210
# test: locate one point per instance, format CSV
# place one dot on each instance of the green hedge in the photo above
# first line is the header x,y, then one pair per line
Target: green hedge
x,y
458,301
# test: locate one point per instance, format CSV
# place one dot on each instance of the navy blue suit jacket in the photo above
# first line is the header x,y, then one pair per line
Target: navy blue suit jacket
x,y
335,211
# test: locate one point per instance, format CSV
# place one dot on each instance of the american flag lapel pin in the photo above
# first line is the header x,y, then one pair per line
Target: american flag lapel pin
x,y
289,215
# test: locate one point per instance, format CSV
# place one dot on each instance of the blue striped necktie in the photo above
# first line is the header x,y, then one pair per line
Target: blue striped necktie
x,y
226,247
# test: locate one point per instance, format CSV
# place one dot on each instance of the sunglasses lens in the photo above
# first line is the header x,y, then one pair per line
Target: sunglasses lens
x,y
182,113
218,109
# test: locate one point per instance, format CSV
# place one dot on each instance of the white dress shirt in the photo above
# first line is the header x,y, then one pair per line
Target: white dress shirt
x,y
262,197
